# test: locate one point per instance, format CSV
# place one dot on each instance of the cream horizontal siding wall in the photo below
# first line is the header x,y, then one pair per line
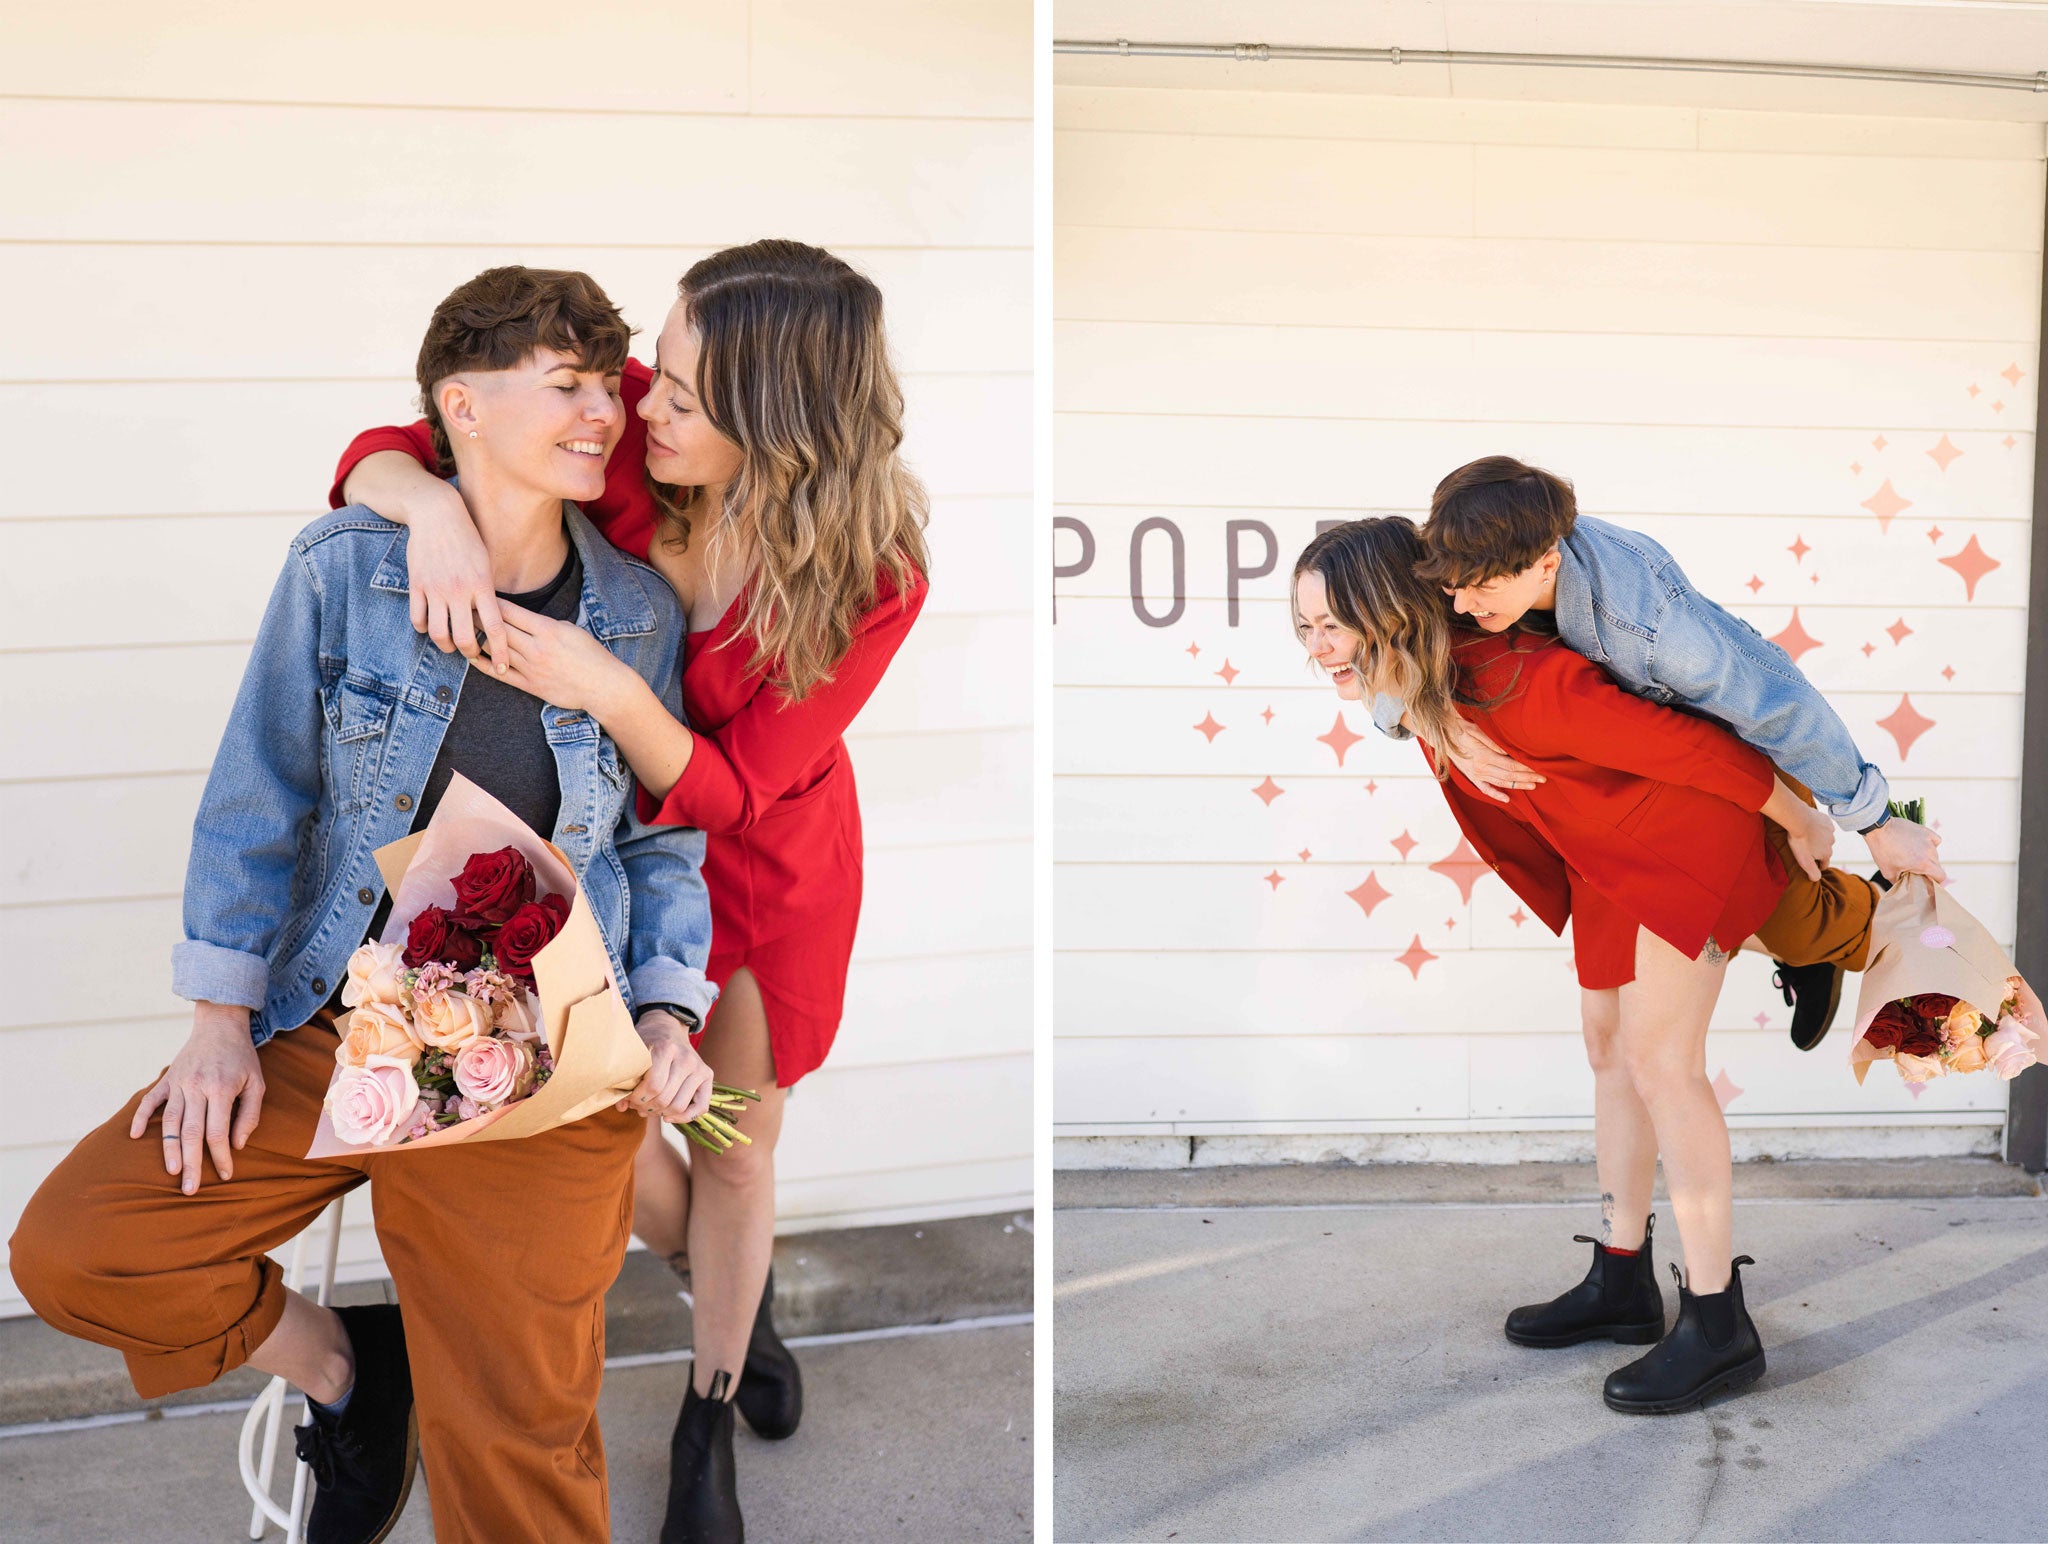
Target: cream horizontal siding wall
x,y
223,234
1742,333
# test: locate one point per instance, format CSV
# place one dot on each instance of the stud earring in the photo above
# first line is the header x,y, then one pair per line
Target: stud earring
x,y
472,434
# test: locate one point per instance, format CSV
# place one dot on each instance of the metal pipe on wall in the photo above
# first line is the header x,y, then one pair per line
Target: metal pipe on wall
x,y
1263,53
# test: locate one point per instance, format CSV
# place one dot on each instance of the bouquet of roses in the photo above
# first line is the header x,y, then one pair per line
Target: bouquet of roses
x,y
1939,995
488,1009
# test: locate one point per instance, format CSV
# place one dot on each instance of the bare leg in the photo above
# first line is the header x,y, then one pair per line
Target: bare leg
x,y
1664,1015
309,1350
1624,1142
732,1194
661,1199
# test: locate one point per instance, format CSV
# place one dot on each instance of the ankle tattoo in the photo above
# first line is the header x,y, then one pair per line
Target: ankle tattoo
x,y
1607,1217
679,1262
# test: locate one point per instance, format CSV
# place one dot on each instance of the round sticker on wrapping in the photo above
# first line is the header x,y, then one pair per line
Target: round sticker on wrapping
x,y
1937,938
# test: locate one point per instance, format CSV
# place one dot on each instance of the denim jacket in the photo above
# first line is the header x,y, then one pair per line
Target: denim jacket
x,y
340,713
1624,603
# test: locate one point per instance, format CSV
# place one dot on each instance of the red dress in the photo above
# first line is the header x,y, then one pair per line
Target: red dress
x,y
770,784
1648,818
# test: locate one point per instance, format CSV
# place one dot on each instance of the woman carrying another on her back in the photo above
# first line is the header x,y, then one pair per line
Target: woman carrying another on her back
x,y
759,474
1644,832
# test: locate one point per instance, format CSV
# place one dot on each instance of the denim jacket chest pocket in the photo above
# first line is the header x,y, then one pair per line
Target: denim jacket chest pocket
x,y
359,710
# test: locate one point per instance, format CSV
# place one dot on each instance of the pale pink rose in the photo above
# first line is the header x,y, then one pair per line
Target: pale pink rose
x,y
376,974
2010,1047
519,1017
373,1103
377,1029
1919,1069
492,1072
450,1020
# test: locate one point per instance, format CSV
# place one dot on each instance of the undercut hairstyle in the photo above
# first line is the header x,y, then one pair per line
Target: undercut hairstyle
x,y
499,319
1406,626
1492,518
793,368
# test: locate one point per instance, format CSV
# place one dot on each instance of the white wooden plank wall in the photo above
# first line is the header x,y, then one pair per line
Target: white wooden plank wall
x,y
1743,333
224,229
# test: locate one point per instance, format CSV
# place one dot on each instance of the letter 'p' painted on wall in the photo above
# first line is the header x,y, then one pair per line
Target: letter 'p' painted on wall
x,y
1236,570
1179,549
1080,565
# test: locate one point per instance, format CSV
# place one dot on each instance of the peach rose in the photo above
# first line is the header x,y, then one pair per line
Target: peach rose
x,y
519,1017
2010,1047
373,1103
1919,1069
376,974
493,1072
378,1029
1967,1054
448,1021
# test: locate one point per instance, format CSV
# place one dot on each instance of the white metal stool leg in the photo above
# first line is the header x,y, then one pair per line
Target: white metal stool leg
x,y
268,1410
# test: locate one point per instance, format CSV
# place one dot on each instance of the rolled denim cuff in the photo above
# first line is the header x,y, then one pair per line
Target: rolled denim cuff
x,y
667,981
207,973
1386,717
1866,804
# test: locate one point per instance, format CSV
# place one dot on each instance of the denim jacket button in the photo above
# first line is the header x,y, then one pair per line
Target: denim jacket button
x,y
442,694
403,801
319,985
366,895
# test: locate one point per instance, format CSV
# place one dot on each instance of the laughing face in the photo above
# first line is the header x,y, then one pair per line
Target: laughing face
x,y
1499,604
547,423
1333,647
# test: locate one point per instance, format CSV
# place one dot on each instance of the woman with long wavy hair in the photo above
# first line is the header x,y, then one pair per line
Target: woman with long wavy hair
x,y
1644,832
760,475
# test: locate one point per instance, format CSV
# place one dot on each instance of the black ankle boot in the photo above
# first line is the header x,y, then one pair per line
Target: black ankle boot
x,y
1713,1347
703,1490
771,1394
363,1459
1617,1301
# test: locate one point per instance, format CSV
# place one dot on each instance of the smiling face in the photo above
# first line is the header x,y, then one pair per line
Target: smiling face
x,y
1499,604
683,448
1333,647
547,424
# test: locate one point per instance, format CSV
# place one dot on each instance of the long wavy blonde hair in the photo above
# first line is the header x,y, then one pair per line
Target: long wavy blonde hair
x,y
793,368
1405,624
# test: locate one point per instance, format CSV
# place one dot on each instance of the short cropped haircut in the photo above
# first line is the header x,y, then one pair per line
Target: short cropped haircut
x,y
501,317
1491,518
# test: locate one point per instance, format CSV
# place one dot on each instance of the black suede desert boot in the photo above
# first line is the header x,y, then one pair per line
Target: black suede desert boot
x,y
363,1459
1713,1348
1619,1300
703,1489
771,1394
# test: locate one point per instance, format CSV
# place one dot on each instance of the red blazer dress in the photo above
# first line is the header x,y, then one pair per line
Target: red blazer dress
x,y
769,783
1648,818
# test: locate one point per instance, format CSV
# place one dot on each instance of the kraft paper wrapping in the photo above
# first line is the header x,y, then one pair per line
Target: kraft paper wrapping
x,y
1923,940
599,1055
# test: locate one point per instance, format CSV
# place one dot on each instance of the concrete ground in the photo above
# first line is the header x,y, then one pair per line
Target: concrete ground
x,y
1334,1369
920,1438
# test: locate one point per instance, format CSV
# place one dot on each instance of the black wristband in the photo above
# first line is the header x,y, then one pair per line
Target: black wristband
x,y
690,1021
1881,820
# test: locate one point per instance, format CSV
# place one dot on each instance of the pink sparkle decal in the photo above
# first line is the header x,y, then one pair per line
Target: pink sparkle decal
x,y
1404,844
1369,894
1462,868
1209,727
1879,443
1944,452
1869,649
1450,924
1340,738
2008,442
1973,563
1725,1089
1899,632
1194,651
1303,855
1975,390
1948,672
1905,725
1795,640
1229,673
1998,407
1799,549
2013,374
1268,791
1267,716
1856,467
1754,583
1763,1021
1276,879
1886,504
1414,957
1934,533
1518,916
1371,786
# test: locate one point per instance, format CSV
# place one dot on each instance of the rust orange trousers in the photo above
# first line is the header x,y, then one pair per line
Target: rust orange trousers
x,y
500,1252
1815,924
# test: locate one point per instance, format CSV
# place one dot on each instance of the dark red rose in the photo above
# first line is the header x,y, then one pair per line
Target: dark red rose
x,y
525,933
559,905
491,886
436,935
1911,1025
1892,1024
